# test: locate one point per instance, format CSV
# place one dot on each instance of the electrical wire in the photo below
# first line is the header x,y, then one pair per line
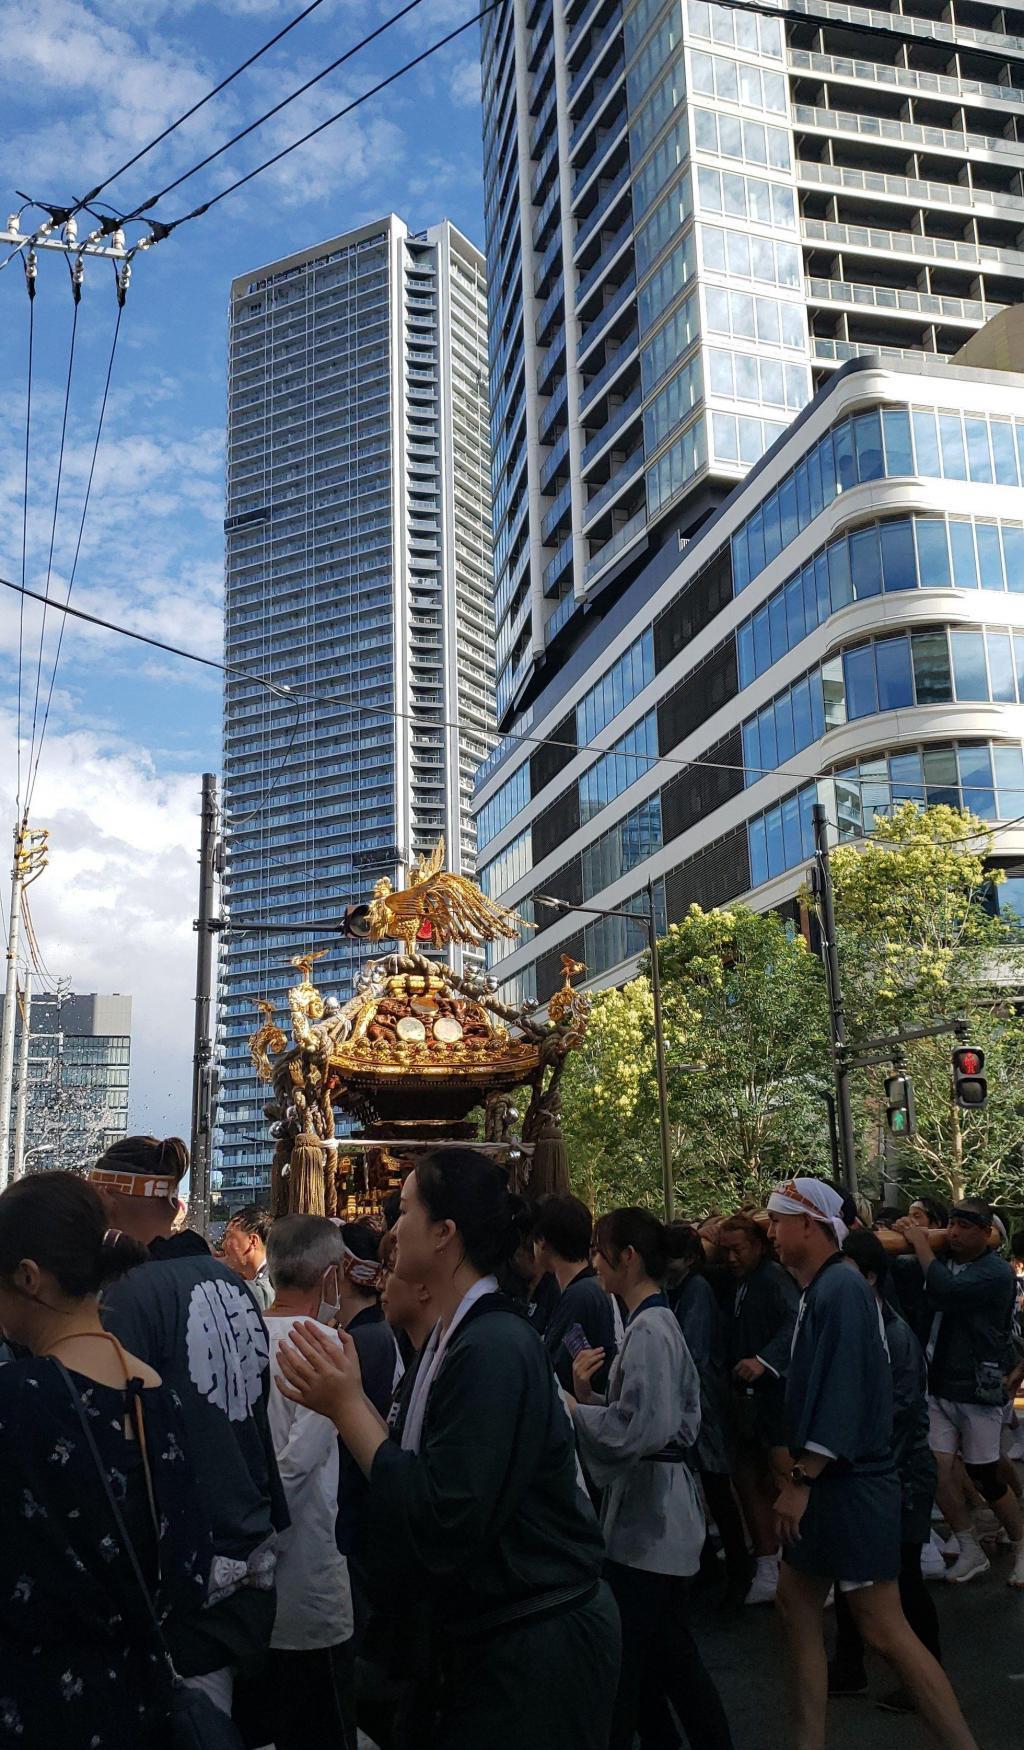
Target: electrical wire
x,y
315,697
172,225
137,212
53,521
24,527
74,566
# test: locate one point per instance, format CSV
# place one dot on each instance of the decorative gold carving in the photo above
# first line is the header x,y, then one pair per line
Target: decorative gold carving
x,y
569,1008
305,1002
439,907
268,1037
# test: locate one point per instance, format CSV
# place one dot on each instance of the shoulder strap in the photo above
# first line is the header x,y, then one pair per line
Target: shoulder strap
x,y
116,1514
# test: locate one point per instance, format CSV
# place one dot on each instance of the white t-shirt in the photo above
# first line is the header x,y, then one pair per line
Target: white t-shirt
x,y
314,1598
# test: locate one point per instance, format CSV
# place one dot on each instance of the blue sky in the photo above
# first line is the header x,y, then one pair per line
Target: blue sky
x,y
82,86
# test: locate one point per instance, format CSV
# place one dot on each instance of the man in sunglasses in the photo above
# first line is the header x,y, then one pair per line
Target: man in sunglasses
x,y
971,1302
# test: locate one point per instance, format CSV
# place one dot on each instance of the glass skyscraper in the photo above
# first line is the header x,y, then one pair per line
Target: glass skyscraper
x,y
358,573
694,213
759,533
79,1060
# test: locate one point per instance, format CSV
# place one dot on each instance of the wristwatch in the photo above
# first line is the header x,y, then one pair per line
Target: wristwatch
x,y
802,1478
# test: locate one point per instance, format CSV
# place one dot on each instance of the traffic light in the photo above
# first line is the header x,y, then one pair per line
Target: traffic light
x,y
969,1085
899,1105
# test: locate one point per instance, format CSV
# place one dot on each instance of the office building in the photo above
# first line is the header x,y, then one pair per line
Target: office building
x,y
358,573
79,1065
695,213
848,627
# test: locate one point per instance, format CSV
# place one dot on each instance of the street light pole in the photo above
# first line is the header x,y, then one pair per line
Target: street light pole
x,y
21,1102
202,1103
837,1022
596,911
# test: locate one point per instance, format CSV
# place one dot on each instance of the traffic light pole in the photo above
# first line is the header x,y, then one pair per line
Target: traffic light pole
x,y
21,1102
837,1022
202,1057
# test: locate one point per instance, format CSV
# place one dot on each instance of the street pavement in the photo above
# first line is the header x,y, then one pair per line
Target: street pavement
x,y
983,1650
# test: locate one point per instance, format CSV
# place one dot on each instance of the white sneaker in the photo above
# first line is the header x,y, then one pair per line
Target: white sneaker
x,y
1015,1577
763,1586
932,1565
971,1562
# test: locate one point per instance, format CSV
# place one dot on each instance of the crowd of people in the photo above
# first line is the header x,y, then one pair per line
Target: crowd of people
x,y
452,1477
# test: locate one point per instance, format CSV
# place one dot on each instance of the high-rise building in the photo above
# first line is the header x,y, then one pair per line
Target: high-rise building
x,y
358,573
848,628
79,1061
694,212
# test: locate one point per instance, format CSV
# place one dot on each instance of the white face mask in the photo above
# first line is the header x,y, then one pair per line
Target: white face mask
x,y
330,1310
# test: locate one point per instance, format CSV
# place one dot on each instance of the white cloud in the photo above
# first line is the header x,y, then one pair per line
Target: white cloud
x,y
464,82
114,909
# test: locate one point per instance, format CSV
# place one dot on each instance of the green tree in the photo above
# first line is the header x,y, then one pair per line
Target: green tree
x,y
918,944
747,1048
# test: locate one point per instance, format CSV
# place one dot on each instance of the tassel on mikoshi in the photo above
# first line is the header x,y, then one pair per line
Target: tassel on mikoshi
x,y
279,1180
549,1175
306,1179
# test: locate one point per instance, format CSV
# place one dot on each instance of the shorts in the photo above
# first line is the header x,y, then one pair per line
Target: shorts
x,y
850,1531
972,1430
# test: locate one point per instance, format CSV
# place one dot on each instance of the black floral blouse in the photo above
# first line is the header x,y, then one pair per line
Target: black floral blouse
x,y
78,1664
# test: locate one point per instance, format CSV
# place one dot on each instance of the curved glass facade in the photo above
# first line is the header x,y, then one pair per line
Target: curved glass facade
x,y
936,665
879,443
918,552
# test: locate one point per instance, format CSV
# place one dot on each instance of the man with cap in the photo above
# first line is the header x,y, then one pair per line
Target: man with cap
x,y
197,1324
969,1348
838,1512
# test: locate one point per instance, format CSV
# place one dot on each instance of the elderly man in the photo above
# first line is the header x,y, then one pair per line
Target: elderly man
x,y
303,1689
244,1247
838,1512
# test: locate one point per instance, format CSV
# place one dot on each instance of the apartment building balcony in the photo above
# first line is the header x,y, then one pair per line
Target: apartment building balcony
x,y
614,141
552,463
910,189
599,103
554,408
847,125
550,360
584,20
970,311
597,270
602,322
619,483
546,264
556,568
913,79
561,616
606,39
624,356
910,244
555,516
606,201
623,537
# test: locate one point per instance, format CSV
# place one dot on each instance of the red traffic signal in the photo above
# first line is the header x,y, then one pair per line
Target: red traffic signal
x,y
969,1085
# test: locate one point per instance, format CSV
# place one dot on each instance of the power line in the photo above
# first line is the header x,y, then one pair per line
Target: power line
x,y
65,610
30,282
56,504
214,91
165,229
290,695
186,176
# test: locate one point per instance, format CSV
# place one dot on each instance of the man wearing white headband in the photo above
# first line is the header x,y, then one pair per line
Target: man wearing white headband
x,y
838,1512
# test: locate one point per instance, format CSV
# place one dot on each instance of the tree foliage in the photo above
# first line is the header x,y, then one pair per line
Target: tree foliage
x,y
918,944
746,1044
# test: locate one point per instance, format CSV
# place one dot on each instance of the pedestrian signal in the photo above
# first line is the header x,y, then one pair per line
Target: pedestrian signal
x,y
899,1105
969,1085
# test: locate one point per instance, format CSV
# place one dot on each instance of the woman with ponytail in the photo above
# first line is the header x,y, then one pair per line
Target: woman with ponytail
x,y
476,1525
637,1444
79,1662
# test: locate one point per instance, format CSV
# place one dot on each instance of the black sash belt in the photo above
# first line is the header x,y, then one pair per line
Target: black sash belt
x,y
533,1609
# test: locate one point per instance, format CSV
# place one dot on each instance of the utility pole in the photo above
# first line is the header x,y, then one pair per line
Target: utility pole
x,y
837,1022
29,862
21,1108
667,1185
206,925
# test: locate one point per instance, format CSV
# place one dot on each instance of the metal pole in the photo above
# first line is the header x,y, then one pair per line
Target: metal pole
x,y
10,1011
668,1188
21,1109
202,1117
837,1024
